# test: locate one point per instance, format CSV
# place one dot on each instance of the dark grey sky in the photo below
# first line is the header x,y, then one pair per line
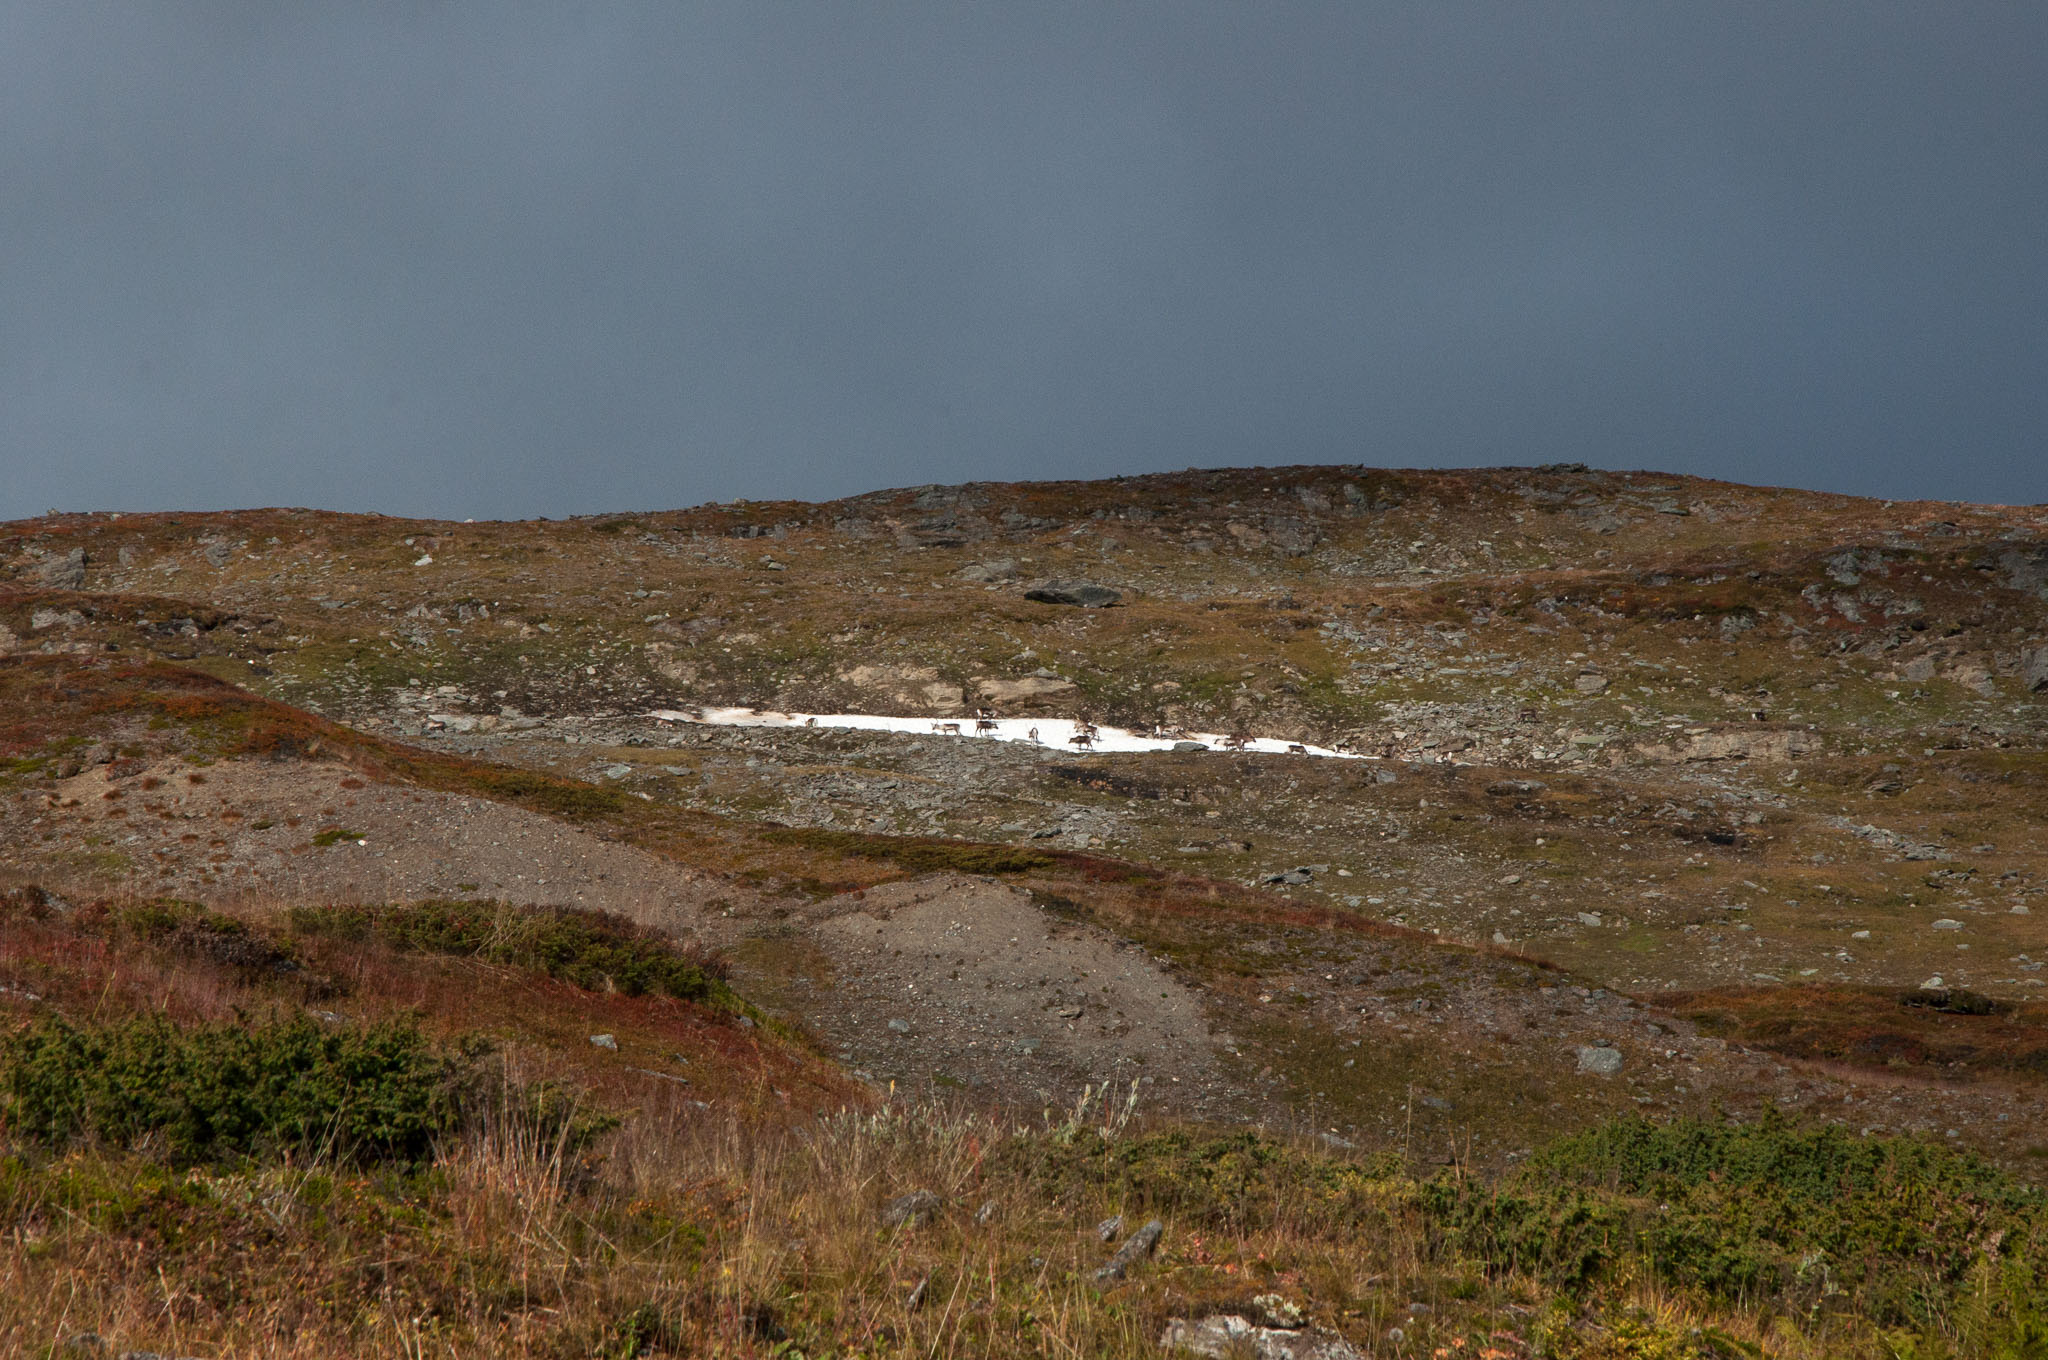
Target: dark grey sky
x,y
505,260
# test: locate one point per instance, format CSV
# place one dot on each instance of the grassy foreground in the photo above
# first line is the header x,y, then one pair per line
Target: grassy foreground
x,y
198,1157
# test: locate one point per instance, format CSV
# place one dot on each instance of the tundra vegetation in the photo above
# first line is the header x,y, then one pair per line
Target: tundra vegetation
x,y
377,979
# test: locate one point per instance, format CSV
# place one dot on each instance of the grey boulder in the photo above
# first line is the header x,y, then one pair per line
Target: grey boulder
x,y
1086,594
2034,670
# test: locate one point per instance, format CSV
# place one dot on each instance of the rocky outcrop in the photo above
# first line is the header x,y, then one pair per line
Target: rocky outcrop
x,y
915,687
1023,692
1767,744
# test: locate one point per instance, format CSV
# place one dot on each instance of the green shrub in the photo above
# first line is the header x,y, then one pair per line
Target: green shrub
x,y
1219,1180
1892,1229
222,1091
594,950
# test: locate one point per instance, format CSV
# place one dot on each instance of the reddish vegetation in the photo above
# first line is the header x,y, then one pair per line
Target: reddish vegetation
x,y
1942,1033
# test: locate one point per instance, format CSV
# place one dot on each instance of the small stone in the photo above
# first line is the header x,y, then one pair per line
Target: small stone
x,y
1946,923
604,1041
907,1211
1420,1310
1600,1062
1589,918
986,1212
1189,746
1085,594
1859,934
1136,1248
1108,1228
984,573
900,1026
1590,683
1515,788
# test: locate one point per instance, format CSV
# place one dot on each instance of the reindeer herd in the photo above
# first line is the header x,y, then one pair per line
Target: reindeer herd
x,y
1086,734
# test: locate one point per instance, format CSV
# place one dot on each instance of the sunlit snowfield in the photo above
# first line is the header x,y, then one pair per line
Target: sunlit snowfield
x,y
1058,733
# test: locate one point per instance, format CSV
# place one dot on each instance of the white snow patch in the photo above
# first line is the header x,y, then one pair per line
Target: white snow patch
x,y
1056,733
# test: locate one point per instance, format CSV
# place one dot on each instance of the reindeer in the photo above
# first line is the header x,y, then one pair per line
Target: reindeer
x,y
1083,739
1032,735
984,724
949,728
1236,741
1295,748
810,722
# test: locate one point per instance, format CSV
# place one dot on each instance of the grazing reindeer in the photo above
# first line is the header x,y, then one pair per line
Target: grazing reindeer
x,y
1295,748
1033,736
1236,741
950,728
810,722
1083,739
984,724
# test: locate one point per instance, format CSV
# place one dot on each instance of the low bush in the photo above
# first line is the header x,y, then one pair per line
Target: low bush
x,y
594,950
1218,1180
223,1091
1888,1228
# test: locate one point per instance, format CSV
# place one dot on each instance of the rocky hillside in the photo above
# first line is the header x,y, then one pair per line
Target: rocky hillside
x,y
1670,799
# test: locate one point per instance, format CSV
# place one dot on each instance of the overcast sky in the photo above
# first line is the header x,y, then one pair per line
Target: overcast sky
x,y
505,261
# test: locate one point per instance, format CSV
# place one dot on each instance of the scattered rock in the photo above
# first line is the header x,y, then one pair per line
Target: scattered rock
x,y
1139,1246
1601,1062
1228,1335
1590,683
1590,918
1289,877
908,1211
1108,1228
1189,746
604,1041
900,1026
987,573
986,1212
1946,923
1085,594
